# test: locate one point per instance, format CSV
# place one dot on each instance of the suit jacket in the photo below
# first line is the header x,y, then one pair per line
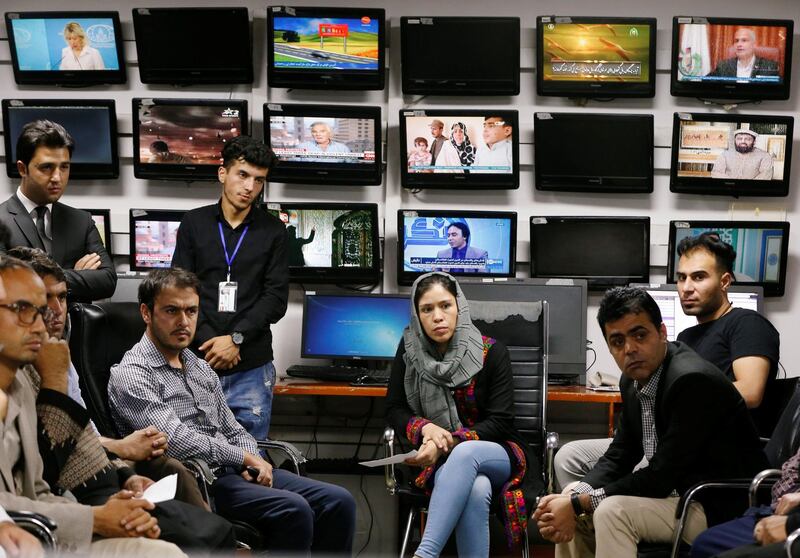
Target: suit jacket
x,y
704,432
472,254
762,67
31,492
74,236
436,148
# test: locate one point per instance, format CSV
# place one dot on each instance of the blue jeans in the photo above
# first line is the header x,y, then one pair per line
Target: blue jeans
x,y
729,535
249,395
462,494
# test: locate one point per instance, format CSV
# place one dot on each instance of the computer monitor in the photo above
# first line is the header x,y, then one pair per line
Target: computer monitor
x,y
595,56
66,47
102,220
731,154
92,123
489,65
182,139
325,144
331,242
762,250
153,233
462,243
576,152
353,327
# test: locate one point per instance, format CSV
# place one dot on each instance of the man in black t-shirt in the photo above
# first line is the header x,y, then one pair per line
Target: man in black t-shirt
x,y
741,343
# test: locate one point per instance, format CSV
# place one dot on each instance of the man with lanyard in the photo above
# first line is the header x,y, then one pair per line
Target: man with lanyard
x,y
239,254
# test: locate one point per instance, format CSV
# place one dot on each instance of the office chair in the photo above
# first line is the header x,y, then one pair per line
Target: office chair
x,y
38,525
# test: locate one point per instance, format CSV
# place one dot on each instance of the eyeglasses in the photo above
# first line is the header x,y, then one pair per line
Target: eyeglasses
x,y
494,124
27,312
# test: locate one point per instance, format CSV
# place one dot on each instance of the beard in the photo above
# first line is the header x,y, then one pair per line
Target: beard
x,y
745,148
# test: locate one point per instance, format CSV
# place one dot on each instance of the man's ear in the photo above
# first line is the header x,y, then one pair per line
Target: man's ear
x,y
222,172
662,331
22,169
726,281
145,312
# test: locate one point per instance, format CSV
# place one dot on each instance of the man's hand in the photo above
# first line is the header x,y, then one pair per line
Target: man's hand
x,y
771,529
18,543
124,516
264,476
89,261
787,503
440,437
137,484
141,445
427,455
556,518
52,364
221,353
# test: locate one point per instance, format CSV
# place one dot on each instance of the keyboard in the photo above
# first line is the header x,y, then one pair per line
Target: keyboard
x,y
338,373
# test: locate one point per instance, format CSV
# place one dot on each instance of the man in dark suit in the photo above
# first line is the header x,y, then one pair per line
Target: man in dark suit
x,y
679,412
745,64
37,219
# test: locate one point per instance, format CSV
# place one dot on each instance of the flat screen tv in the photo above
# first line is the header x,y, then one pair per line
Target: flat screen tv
x,y
66,48
193,45
762,250
606,251
595,56
334,243
102,220
325,144
182,139
731,154
92,123
462,243
326,48
446,148
731,58
485,65
577,152
153,233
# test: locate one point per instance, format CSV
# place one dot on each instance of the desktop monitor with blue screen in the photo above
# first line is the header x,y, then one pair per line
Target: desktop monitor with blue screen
x,y
353,326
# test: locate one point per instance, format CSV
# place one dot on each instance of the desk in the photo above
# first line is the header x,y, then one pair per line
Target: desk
x,y
574,394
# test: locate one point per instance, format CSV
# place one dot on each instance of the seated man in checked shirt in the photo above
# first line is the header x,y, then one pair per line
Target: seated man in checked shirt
x,y
161,382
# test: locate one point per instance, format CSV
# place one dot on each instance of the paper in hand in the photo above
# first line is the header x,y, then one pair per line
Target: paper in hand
x,y
399,458
162,490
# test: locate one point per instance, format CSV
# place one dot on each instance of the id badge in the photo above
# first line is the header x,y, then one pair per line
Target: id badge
x,y
227,296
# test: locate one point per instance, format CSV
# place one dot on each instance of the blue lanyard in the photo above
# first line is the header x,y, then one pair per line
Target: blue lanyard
x,y
229,259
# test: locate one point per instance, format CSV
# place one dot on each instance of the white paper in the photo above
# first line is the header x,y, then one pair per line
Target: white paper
x,y
399,458
162,490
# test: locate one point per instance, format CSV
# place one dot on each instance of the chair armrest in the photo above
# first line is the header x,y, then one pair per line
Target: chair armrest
x,y
550,447
295,455
388,470
790,540
41,526
758,480
205,477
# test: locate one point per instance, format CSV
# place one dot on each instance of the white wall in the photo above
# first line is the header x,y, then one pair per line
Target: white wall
x,y
661,206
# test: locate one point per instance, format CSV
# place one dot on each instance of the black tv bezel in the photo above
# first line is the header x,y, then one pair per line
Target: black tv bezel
x,y
106,236
153,215
595,283
457,180
770,289
364,80
335,275
466,85
592,183
78,171
343,174
408,277
724,186
185,173
595,89
68,77
243,74
733,90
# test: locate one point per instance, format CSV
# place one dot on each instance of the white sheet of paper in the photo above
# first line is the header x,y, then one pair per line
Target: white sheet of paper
x,y
399,458
162,490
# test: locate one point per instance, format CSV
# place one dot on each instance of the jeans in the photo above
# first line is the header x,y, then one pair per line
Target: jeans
x,y
462,494
729,535
249,395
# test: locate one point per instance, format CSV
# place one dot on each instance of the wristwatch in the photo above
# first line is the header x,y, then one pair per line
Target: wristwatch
x,y
237,337
574,499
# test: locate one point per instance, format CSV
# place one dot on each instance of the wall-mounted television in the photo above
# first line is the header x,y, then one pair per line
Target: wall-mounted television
x,y
595,56
334,243
462,243
325,144
326,48
102,220
66,48
447,148
485,66
606,251
731,58
762,250
92,123
182,139
153,233
731,154
577,152
178,45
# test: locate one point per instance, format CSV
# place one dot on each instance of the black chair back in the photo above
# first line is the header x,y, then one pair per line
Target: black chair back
x,y
785,439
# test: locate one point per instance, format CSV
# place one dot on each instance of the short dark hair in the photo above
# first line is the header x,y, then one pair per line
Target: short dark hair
x,y
427,284
38,259
159,146
621,301
250,150
463,227
42,133
420,139
710,241
7,263
159,279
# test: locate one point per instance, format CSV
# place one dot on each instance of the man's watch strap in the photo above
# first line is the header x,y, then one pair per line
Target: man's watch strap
x,y
575,500
237,337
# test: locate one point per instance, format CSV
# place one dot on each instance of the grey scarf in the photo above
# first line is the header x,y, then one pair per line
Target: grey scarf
x,y
430,376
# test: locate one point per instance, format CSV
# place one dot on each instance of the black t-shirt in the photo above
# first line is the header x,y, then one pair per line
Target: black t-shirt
x,y
739,333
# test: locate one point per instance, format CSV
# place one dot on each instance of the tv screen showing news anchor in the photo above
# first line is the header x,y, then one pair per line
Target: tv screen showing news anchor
x,y
312,139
